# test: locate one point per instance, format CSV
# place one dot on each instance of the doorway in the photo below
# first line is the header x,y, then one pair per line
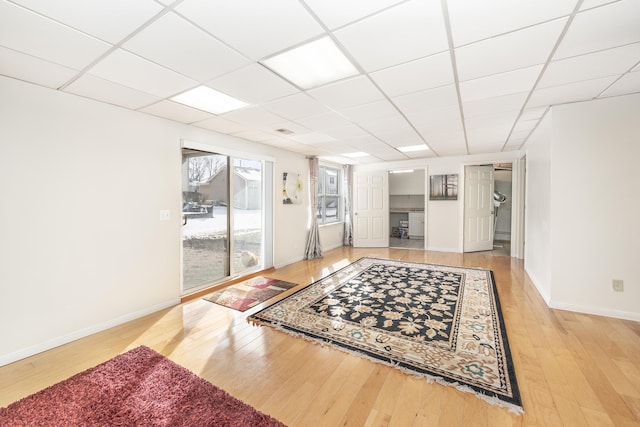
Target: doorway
x,y
223,218
501,206
407,208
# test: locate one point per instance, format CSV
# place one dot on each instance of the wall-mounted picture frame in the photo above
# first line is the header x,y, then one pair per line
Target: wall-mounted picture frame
x,y
443,187
291,188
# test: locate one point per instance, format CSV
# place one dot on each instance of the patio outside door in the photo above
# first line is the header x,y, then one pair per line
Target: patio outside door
x,y
205,219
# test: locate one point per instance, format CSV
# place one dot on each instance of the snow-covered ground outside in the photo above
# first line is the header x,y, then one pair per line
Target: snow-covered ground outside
x,y
204,227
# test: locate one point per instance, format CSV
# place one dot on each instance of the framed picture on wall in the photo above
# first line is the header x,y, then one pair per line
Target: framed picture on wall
x,y
443,187
291,188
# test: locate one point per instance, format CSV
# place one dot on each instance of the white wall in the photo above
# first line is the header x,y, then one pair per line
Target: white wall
x,y
595,206
290,234
537,258
443,219
82,183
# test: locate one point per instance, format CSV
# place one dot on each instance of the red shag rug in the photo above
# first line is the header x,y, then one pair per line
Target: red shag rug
x,y
137,388
249,293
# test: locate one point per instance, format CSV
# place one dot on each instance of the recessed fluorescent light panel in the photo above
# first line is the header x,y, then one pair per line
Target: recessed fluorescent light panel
x,y
410,148
312,64
206,99
356,154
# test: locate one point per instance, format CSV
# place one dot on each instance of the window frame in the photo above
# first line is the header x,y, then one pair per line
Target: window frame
x,y
321,214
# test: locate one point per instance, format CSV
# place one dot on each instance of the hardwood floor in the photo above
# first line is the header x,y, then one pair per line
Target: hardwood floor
x,y
572,369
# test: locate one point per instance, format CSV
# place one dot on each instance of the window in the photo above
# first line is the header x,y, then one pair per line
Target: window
x,y
329,197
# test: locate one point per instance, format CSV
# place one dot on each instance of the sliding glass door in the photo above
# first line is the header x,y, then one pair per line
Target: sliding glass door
x,y
247,221
223,217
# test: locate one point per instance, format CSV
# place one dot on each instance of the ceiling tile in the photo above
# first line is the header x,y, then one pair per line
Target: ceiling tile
x,y
490,106
372,110
347,132
400,138
255,28
254,84
435,116
312,138
287,125
347,93
427,99
175,111
324,121
443,126
446,143
29,68
588,4
391,123
525,125
609,62
476,20
336,13
504,121
500,84
361,142
519,49
178,45
533,113
41,37
296,107
109,20
130,70
629,83
421,74
384,151
580,91
112,93
253,116
519,135
389,38
220,124
494,147
253,135
605,27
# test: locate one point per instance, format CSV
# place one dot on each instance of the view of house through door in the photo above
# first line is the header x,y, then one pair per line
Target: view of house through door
x,y
222,236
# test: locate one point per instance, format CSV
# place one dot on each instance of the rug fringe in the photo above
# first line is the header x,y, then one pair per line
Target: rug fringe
x,y
494,401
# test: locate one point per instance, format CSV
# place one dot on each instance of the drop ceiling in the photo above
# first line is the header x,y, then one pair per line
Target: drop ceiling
x,y
457,76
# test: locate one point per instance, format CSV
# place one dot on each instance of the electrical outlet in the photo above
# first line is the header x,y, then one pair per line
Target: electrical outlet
x,y
164,215
618,285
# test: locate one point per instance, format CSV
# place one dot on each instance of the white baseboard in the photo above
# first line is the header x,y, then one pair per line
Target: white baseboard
x,y
5,359
337,245
536,284
503,235
289,261
598,311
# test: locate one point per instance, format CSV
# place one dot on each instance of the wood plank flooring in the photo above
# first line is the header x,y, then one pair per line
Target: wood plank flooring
x,y
573,369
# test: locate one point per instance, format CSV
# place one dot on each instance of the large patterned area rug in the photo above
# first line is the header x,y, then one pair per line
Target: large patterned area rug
x,y
249,293
438,322
137,388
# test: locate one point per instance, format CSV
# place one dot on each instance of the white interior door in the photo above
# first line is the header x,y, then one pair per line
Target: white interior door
x,y
478,208
370,209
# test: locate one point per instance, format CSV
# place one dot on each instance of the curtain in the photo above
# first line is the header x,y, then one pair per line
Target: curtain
x,y
314,248
348,226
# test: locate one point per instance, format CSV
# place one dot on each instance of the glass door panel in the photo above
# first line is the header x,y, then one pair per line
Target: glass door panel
x,y
205,219
247,215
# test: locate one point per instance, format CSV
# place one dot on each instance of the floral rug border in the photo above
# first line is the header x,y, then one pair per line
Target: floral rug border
x,y
311,298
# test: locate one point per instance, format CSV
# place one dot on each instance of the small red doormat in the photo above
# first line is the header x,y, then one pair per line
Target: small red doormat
x,y
244,295
137,388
